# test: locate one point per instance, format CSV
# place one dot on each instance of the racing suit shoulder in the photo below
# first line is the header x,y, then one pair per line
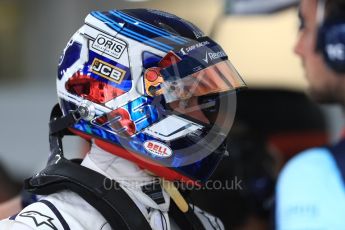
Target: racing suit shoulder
x,y
66,210
63,210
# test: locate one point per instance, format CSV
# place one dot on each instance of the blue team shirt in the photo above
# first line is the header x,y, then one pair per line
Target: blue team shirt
x,y
310,193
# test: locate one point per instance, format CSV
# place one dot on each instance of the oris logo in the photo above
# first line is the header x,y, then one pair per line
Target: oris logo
x,y
111,46
107,71
158,149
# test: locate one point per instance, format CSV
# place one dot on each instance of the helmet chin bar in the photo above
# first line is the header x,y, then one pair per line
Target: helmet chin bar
x,y
171,132
59,127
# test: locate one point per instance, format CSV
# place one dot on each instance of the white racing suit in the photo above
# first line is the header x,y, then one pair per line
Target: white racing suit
x,y
66,210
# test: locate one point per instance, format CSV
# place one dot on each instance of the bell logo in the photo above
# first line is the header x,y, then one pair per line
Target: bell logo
x,y
158,149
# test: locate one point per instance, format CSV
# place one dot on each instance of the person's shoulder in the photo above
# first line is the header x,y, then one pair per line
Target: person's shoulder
x,y
39,215
61,210
312,155
310,192
315,162
309,172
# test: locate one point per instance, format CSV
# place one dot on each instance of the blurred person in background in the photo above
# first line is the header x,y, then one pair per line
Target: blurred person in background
x,y
8,190
14,202
259,145
111,91
8,186
14,205
310,190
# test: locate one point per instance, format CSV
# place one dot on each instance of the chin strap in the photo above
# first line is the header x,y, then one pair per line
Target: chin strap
x,y
179,209
175,195
58,128
59,124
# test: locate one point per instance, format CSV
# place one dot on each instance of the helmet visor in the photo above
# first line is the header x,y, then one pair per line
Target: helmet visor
x,y
218,78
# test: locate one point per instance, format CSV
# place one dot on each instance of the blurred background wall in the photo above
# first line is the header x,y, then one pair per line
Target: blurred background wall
x,y
34,33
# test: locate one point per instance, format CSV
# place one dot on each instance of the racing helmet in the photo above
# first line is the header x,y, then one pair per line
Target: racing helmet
x,y
152,88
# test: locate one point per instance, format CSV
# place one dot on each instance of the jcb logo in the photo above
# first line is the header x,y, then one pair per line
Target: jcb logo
x,y
107,71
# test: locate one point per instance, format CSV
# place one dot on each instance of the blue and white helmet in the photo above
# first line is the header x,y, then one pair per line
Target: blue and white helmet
x,y
155,89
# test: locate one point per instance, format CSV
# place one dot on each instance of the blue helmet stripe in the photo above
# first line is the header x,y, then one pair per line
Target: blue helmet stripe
x,y
131,33
148,27
133,20
135,23
111,23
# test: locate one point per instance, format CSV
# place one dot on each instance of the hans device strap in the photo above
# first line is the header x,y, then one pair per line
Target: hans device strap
x,y
103,194
187,221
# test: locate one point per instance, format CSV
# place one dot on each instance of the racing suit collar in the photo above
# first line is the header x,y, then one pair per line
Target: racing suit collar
x,y
132,179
